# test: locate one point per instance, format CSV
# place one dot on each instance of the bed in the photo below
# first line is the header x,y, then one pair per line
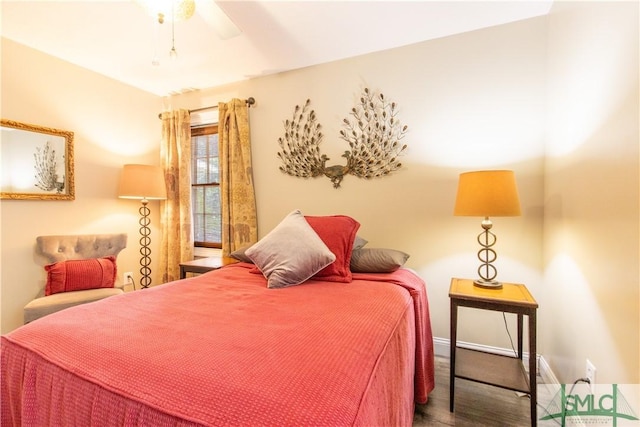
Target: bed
x,y
224,349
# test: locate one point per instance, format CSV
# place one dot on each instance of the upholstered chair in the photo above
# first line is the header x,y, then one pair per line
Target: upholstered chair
x,y
55,249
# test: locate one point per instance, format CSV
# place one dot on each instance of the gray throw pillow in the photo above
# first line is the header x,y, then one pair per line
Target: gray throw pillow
x,y
240,254
290,253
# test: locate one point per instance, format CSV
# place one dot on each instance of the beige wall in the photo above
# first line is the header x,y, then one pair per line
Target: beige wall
x,y
471,101
591,254
505,97
113,124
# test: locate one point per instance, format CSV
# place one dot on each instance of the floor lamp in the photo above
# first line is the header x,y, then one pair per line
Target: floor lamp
x,y
485,194
143,182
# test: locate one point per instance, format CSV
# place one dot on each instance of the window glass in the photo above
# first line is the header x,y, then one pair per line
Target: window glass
x,y
205,187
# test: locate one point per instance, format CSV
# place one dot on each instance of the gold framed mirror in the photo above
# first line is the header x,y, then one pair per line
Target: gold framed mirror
x,y
36,162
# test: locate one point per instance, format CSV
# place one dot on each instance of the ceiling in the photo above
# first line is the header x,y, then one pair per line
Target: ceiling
x,y
117,38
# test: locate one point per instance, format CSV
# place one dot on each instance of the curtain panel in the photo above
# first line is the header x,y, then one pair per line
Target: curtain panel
x,y
239,219
176,222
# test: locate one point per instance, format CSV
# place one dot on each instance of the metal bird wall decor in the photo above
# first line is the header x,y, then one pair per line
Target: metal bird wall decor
x,y
373,133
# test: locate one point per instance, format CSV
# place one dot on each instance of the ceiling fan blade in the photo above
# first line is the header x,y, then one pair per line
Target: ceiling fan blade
x,y
217,19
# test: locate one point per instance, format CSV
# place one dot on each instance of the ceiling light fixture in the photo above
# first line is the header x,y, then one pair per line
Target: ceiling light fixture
x,y
173,10
173,54
182,9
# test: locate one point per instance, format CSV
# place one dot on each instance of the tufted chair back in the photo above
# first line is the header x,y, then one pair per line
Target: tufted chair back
x,y
63,248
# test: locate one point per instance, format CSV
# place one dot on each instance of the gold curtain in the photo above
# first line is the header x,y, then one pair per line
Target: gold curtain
x,y
177,230
239,222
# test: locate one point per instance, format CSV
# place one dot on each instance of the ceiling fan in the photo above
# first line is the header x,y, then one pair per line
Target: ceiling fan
x,y
179,10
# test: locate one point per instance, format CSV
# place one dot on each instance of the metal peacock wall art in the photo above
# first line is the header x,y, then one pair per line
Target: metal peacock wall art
x,y
373,133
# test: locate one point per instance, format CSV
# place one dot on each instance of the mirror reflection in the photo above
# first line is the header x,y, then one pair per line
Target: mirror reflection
x,y
36,162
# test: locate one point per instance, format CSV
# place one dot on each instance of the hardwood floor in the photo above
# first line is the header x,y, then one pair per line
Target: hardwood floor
x,y
475,405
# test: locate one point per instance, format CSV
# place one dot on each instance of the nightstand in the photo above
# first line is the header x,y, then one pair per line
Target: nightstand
x,y
202,265
490,368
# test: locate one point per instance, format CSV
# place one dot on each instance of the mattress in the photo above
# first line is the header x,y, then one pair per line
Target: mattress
x,y
223,349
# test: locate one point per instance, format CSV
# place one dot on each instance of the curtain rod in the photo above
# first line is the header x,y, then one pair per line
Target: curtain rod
x,y
250,101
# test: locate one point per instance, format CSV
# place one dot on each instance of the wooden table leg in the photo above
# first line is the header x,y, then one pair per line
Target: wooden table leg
x,y
452,345
533,386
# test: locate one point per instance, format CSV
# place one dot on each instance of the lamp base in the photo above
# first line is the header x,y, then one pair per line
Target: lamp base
x,y
487,284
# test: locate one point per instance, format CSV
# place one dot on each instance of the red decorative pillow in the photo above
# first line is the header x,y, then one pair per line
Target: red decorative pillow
x,y
337,232
81,274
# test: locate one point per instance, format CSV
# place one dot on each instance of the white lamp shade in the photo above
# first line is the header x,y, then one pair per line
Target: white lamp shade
x,y
487,193
142,182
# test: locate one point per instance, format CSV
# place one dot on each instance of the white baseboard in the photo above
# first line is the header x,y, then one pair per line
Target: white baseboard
x,y
548,377
442,348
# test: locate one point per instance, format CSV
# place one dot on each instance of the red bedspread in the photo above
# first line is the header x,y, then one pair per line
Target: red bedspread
x,y
222,349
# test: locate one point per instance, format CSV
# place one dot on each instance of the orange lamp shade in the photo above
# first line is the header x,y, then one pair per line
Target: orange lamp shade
x,y
487,193
142,182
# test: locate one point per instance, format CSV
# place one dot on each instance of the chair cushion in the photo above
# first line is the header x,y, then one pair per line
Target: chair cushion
x,y
50,304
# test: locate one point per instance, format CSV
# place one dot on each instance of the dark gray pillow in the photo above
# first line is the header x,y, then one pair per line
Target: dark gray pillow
x,y
240,254
359,242
377,260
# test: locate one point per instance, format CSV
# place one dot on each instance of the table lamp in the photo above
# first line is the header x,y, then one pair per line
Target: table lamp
x,y
487,194
143,182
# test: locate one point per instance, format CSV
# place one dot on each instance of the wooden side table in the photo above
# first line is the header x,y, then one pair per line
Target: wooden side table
x,y
202,265
489,368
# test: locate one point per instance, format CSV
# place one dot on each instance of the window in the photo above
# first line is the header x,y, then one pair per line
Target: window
x,y
205,187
